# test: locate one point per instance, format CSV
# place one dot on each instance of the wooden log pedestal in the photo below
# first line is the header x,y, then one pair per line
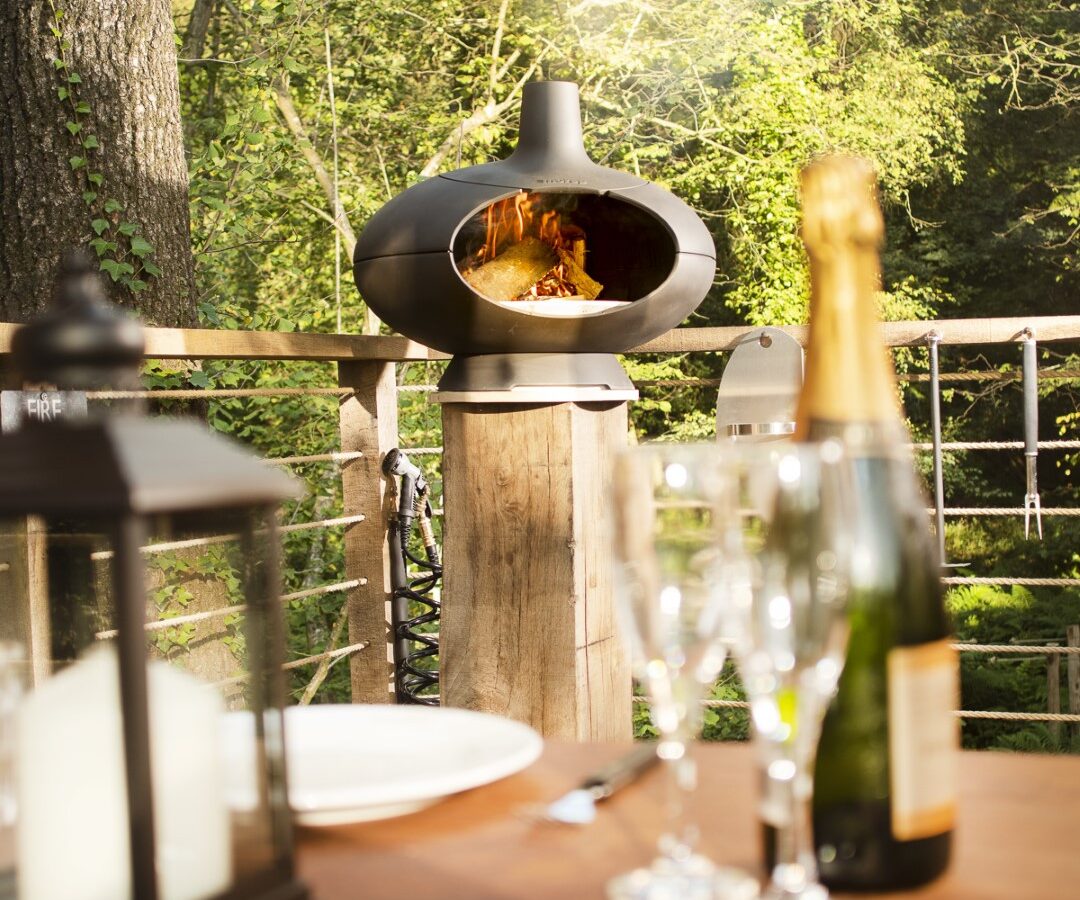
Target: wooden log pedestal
x,y
528,627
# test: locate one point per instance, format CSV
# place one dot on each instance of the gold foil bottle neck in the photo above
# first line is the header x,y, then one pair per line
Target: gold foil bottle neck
x,y
849,375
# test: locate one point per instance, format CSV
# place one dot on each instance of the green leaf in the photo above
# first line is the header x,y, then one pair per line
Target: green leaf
x,y
102,246
128,228
259,114
150,269
136,284
63,93
74,78
116,269
141,247
90,142
58,64
199,379
112,206
77,162
208,310
82,107
95,178
73,127
89,197
99,225
286,325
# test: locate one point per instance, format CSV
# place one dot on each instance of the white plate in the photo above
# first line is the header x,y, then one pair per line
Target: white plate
x,y
357,763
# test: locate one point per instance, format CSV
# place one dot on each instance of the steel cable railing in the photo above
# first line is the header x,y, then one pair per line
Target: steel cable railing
x,y
683,342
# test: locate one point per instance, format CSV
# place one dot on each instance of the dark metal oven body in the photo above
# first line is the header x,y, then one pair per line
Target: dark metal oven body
x,y
646,246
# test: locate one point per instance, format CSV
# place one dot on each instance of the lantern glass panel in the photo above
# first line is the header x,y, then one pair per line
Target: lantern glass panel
x,y
208,580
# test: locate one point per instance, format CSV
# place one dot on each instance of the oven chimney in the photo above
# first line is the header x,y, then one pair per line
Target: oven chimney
x,y
550,137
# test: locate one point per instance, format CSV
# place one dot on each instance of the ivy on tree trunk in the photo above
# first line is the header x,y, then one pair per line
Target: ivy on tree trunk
x,y
94,154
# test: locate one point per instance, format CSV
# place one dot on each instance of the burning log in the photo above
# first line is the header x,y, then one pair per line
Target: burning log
x,y
514,271
574,239
576,275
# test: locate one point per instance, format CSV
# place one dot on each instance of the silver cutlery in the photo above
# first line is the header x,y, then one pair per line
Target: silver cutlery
x,y
578,807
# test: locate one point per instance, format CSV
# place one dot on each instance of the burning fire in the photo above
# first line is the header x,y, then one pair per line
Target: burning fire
x,y
518,217
522,236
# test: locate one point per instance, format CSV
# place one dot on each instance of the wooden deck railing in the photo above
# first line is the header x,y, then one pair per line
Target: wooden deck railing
x,y
367,426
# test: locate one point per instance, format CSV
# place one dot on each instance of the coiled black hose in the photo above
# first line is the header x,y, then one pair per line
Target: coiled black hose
x,y
412,680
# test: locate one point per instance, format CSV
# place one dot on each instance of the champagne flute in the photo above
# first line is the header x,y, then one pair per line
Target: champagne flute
x,y
670,503
789,627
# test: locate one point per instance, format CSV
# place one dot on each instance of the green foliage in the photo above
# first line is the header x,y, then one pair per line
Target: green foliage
x,y
966,118
1010,682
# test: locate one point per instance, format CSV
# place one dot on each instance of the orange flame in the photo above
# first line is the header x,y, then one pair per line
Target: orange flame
x,y
516,218
522,216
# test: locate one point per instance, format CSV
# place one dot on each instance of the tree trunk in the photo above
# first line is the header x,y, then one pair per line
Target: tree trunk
x,y
129,194
197,28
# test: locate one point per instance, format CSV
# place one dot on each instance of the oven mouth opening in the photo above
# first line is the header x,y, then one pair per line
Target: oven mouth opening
x,y
563,254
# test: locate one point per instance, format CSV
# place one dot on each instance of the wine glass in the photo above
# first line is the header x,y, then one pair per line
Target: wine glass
x,y
670,503
789,629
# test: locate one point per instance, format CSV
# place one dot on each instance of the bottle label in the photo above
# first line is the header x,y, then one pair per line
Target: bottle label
x,y
924,691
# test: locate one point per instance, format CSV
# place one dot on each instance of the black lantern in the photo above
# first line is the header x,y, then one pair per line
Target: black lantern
x,y
143,578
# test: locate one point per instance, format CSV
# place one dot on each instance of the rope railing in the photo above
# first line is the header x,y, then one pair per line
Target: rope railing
x,y
214,539
959,713
1017,716
1028,649
223,611
922,445
329,654
1021,582
298,663
914,377
337,456
217,393
324,589
997,445
975,511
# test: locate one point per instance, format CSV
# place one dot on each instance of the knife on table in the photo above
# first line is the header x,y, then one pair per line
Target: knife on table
x,y
578,807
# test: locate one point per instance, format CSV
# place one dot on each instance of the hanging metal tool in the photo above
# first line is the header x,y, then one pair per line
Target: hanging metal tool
x,y
1031,433
413,603
759,388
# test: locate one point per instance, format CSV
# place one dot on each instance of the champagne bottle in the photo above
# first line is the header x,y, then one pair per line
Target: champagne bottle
x,y
884,785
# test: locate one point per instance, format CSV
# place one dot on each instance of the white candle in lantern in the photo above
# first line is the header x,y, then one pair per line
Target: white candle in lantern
x,y
73,821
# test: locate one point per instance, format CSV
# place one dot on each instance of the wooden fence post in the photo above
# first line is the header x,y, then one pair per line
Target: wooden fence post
x,y
24,592
1072,639
528,626
369,424
1053,691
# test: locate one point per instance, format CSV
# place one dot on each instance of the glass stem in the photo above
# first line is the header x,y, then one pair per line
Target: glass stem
x,y
796,864
680,834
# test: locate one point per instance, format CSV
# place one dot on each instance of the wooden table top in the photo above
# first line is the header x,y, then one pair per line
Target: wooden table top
x,y
1016,838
